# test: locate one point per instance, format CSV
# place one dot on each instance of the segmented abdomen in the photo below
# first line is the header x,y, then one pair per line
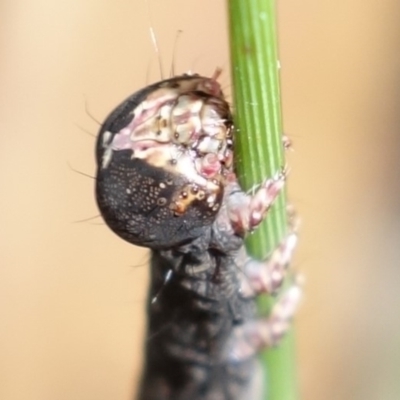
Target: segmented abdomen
x,y
189,326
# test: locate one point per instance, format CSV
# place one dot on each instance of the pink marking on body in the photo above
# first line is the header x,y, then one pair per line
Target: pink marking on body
x,y
246,212
254,336
122,140
267,276
152,104
210,165
263,199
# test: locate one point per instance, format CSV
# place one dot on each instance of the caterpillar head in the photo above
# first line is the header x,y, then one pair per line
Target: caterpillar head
x,y
162,159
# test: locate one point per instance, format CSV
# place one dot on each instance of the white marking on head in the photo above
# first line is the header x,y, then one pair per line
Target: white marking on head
x,y
106,138
106,157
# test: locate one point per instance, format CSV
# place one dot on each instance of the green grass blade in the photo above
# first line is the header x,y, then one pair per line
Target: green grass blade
x,y
259,151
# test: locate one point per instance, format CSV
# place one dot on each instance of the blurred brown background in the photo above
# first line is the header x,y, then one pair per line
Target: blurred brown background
x,y
72,294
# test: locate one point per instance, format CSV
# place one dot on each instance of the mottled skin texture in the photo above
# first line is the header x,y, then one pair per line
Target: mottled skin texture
x,y
165,181
190,323
135,197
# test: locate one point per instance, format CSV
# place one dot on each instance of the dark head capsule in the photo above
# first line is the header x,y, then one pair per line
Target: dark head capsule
x,y
162,157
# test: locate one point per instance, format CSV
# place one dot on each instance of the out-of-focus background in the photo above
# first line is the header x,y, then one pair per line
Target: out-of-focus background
x,y
72,294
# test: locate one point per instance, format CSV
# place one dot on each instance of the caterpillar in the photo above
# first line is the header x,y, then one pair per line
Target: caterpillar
x,y
166,181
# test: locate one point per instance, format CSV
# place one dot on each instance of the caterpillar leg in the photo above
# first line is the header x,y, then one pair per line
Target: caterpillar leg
x,y
267,276
246,211
265,332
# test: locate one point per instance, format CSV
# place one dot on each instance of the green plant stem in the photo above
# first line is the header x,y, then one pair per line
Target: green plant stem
x,y
259,150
